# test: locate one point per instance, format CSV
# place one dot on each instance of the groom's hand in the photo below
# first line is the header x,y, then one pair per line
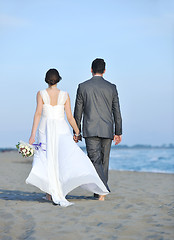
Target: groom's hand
x,y
117,139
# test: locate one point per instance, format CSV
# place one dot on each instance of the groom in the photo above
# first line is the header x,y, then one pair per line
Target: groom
x,y
97,101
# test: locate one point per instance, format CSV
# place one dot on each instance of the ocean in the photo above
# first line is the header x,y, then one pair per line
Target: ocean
x,y
159,160
140,159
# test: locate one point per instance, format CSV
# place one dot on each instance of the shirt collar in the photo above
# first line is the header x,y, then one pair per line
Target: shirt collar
x,y
96,75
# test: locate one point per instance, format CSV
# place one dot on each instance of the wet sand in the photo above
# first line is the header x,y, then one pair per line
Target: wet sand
x,y
140,206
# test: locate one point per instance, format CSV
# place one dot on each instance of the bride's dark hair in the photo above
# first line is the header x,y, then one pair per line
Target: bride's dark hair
x,y
52,76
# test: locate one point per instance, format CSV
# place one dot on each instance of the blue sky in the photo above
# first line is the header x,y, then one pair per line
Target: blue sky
x,y
136,39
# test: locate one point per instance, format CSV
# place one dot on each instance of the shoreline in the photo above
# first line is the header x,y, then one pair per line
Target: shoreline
x,y
167,173
119,147
15,151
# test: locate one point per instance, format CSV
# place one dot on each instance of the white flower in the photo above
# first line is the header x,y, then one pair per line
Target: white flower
x,y
25,149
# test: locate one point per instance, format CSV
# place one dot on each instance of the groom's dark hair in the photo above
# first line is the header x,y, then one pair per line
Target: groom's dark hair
x,y
52,76
98,65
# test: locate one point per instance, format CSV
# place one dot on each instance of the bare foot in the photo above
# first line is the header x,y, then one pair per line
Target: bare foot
x,y
101,198
48,197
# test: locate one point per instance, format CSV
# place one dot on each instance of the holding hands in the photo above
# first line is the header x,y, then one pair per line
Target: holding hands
x,y
77,137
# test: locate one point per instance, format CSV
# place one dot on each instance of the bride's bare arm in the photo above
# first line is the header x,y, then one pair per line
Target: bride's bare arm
x,y
36,119
70,117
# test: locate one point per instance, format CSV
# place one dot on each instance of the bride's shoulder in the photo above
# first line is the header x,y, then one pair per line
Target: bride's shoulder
x,y
65,93
64,96
41,91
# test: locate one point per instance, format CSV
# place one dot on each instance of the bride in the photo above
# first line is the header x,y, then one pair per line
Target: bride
x,y
59,165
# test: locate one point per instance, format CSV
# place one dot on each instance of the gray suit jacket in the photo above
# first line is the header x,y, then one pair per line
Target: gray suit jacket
x,y
97,101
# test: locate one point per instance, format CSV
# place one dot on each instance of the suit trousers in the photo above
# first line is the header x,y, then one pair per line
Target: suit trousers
x,y
98,150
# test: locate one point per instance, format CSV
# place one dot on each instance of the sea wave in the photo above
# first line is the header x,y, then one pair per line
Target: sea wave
x,y
141,160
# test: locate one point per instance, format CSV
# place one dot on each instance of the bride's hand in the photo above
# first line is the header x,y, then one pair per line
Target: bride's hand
x,y
75,139
31,140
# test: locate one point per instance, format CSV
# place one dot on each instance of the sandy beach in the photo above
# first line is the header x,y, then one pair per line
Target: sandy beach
x,y
140,206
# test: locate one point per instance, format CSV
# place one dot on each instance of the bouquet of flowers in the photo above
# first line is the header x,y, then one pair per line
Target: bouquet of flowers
x,y
25,149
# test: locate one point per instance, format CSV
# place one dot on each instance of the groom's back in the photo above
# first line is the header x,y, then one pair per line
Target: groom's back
x,y
97,95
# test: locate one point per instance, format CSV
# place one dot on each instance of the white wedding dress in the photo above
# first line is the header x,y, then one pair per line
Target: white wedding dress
x,y
59,165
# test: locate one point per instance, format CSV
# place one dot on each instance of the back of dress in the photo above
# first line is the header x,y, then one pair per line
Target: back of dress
x,y
56,111
53,115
